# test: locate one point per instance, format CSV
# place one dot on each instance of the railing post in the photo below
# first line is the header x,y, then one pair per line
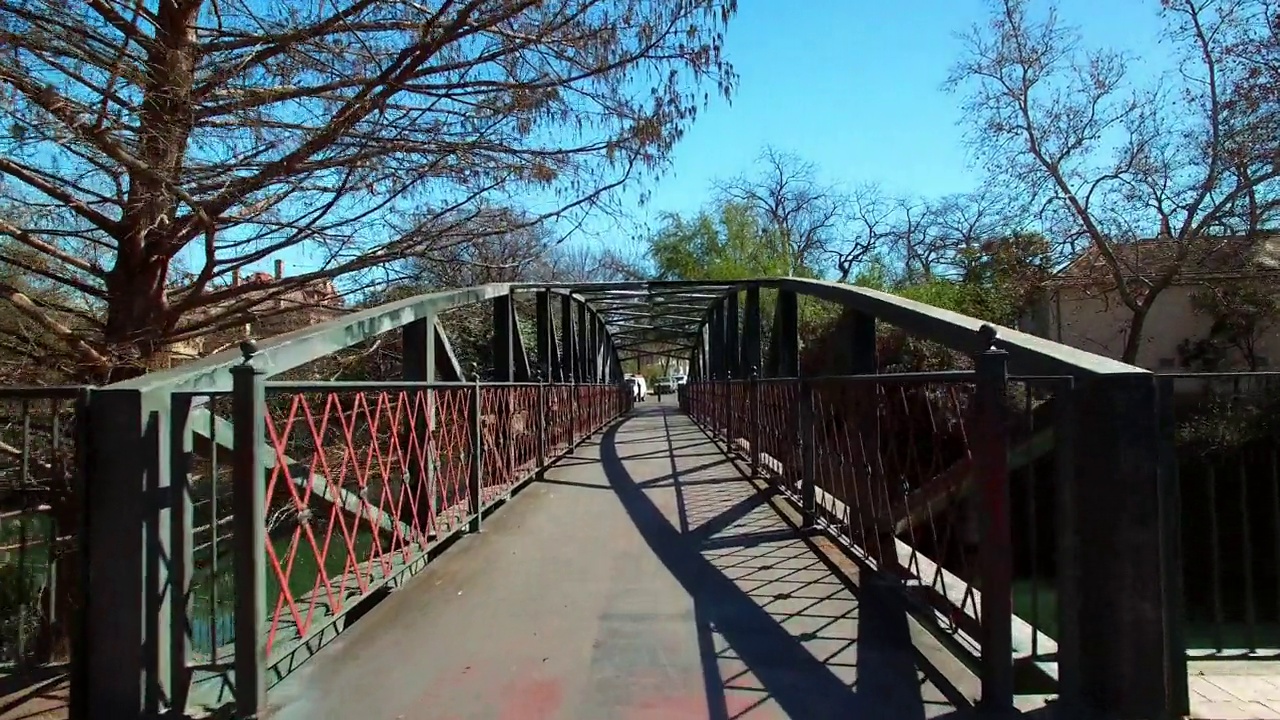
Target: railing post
x,y
1121,566
1068,545
574,412
991,460
591,408
179,553
726,406
1171,547
418,365
249,531
121,450
808,456
720,401
78,700
753,391
476,481
542,425
728,410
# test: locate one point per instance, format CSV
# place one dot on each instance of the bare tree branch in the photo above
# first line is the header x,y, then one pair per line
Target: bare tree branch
x,y
787,197
160,148
1109,162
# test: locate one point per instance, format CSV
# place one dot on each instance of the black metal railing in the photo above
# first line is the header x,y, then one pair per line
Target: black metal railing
x,y
1227,456
39,521
41,550
943,481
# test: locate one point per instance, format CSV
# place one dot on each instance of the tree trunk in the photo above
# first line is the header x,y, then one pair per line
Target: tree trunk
x,y
1133,340
137,308
136,314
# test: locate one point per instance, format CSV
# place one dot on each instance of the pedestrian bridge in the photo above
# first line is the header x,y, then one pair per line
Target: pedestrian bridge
x,y
809,529
646,576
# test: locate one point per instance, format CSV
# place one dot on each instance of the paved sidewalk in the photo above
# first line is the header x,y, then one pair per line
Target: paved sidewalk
x,y
1231,690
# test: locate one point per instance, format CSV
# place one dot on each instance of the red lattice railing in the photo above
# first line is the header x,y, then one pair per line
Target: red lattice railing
x,y
893,466
362,482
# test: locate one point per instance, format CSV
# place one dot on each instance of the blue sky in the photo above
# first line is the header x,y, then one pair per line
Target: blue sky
x,y
855,86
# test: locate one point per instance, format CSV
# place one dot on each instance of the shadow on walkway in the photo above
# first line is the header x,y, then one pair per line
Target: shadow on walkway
x,y
776,621
645,579
781,621
40,694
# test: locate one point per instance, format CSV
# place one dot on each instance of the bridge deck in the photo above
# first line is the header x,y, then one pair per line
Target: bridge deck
x,y
645,578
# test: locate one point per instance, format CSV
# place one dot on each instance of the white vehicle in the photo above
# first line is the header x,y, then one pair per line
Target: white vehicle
x,y
638,388
681,380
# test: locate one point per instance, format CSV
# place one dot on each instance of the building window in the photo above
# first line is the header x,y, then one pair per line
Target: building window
x,y
1261,361
1167,363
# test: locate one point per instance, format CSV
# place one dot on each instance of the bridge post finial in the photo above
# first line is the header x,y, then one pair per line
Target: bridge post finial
x,y
987,337
248,350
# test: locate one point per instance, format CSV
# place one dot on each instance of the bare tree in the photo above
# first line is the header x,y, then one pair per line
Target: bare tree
x,y
1191,157
787,196
188,134
504,247
927,235
1252,49
918,238
871,215
582,262
967,221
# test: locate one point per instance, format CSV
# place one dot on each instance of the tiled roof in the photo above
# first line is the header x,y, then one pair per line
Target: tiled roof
x,y
1218,256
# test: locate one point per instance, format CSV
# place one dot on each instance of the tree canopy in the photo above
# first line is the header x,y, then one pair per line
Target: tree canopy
x,y
158,148
1108,160
727,242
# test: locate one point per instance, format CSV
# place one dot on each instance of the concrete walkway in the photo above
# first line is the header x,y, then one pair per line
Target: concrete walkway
x,y
643,579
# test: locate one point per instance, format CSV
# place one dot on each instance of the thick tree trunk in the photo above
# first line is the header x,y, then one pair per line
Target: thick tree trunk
x,y
136,314
138,311
1133,340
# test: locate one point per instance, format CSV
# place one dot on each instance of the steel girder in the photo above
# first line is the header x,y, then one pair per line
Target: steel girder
x,y
655,318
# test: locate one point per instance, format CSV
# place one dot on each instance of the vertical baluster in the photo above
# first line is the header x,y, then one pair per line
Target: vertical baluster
x,y
476,481
1033,522
1170,509
542,424
808,455
753,439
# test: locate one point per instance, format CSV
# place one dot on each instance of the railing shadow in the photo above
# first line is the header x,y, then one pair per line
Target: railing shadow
x,y
39,693
775,624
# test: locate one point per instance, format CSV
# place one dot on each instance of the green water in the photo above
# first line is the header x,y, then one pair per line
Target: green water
x,y
212,608
1037,604
211,611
